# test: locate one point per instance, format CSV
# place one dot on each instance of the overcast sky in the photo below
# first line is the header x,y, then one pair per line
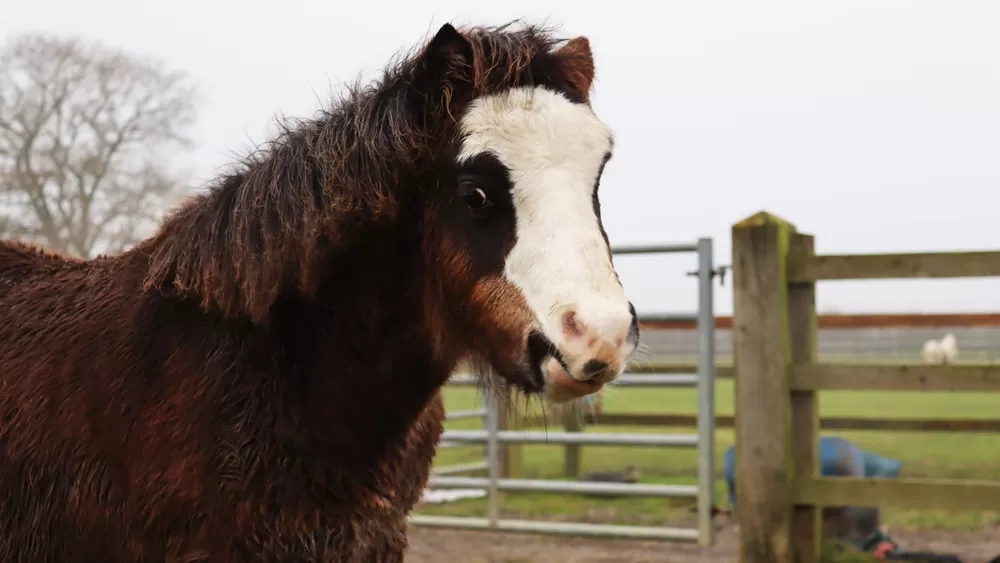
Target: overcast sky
x,y
873,125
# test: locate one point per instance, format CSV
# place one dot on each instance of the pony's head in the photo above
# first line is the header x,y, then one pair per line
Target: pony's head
x,y
512,233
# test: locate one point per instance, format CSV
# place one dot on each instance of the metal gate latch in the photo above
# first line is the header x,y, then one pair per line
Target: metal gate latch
x,y
719,271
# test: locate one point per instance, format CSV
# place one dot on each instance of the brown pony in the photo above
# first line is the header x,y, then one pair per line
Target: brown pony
x,y
259,381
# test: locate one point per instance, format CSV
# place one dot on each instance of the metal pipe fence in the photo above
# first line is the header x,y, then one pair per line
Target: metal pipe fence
x,y
491,437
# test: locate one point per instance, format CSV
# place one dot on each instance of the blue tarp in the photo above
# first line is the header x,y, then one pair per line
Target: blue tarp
x,y
838,457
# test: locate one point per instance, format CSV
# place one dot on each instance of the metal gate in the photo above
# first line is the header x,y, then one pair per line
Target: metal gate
x,y
491,436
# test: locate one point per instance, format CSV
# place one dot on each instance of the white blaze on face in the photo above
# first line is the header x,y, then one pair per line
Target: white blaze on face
x,y
554,149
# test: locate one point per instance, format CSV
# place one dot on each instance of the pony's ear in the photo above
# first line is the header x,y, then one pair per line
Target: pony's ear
x,y
579,61
445,61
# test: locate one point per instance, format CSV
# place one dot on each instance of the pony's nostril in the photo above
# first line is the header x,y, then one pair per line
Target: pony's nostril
x,y
593,368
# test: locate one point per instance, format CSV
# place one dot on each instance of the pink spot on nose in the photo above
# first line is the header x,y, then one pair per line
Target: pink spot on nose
x,y
572,325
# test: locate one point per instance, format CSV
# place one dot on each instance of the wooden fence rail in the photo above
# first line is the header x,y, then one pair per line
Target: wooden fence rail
x,y
779,490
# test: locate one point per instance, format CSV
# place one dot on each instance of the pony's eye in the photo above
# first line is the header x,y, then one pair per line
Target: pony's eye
x,y
475,198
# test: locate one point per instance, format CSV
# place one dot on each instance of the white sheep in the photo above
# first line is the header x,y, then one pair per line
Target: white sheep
x,y
944,351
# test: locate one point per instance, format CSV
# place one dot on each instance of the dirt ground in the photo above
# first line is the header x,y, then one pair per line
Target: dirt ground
x,y
448,546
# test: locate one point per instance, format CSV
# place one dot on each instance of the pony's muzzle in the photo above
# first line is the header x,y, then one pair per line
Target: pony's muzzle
x,y
594,346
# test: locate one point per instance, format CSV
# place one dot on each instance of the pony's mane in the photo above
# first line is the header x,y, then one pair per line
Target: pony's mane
x,y
263,229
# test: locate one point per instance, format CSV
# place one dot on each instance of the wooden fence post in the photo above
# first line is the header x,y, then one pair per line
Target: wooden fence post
x,y
572,419
806,520
761,353
510,454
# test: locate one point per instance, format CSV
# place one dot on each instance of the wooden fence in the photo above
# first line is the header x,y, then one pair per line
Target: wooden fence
x,y
779,491
574,420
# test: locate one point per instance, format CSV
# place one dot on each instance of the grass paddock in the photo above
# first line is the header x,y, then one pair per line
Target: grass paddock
x,y
924,454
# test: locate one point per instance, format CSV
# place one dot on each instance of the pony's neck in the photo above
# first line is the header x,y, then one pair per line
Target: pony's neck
x,y
322,253
362,337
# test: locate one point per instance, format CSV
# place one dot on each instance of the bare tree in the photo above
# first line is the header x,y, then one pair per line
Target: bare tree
x,y
86,134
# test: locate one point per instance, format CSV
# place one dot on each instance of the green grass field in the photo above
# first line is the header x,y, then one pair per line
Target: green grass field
x,y
924,454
